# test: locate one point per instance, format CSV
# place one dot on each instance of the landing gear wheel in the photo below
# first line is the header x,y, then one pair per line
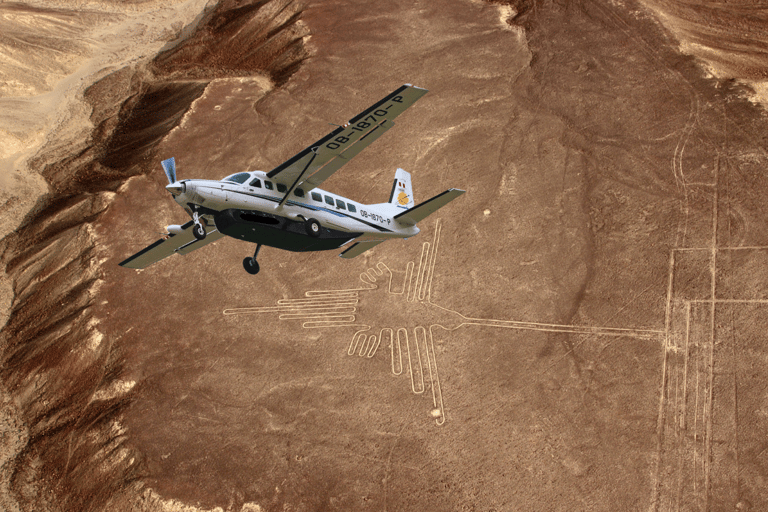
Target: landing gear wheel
x,y
199,231
312,227
251,266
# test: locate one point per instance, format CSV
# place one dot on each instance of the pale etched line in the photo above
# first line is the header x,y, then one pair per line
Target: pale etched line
x,y
248,311
373,273
376,342
391,276
421,335
696,418
737,248
317,302
746,247
354,342
425,275
312,308
675,412
409,278
399,354
438,229
287,309
437,392
730,301
420,272
574,329
685,362
313,313
320,308
426,287
416,389
336,323
351,292
677,165
670,280
311,295
660,420
682,444
406,281
735,407
536,326
711,365
365,344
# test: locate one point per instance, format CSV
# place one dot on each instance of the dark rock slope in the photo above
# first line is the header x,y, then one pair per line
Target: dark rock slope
x,y
64,375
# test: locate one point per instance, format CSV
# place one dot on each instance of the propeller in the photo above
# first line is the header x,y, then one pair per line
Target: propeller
x,y
169,166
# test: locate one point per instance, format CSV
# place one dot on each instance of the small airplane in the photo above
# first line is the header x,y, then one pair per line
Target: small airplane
x,y
284,208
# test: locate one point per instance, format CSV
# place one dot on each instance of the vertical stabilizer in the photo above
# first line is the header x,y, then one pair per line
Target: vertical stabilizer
x,y
402,194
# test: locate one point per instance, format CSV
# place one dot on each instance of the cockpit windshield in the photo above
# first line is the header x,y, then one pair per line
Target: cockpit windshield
x,y
240,177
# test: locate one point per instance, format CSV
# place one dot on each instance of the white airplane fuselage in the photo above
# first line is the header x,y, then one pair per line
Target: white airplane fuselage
x,y
256,211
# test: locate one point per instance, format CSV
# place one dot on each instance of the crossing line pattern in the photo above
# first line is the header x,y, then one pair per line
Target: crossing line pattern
x,y
697,465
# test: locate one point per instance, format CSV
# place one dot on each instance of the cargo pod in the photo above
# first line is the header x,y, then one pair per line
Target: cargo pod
x,y
276,231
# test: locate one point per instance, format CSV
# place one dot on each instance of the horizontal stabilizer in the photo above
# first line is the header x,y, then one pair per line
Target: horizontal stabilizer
x,y
428,207
359,248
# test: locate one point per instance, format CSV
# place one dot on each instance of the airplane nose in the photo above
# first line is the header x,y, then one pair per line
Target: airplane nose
x,y
176,188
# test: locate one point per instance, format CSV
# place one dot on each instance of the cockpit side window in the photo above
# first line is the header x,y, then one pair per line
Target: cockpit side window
x,y
239,178
256,182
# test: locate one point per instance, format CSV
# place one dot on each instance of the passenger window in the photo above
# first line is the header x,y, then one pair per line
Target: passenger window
x,y
316,196
281,187
329,200
299,192
340,204
256,183
268,185
351,207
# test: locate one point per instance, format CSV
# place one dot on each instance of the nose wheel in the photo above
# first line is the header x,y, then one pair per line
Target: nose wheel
x,y
250,264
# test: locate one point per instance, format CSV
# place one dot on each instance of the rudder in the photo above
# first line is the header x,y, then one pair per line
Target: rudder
x,y
402,194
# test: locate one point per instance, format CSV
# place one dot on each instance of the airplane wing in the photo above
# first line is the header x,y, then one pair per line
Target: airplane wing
x,y
359,248
183,243
428,207
308,167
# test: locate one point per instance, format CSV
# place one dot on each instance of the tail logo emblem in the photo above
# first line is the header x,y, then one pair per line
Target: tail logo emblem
x,y
402,198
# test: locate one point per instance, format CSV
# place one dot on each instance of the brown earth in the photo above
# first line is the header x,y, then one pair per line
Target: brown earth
x,y
583,330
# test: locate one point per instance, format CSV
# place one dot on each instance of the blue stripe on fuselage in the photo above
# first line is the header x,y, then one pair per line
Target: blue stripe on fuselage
x,y
313,208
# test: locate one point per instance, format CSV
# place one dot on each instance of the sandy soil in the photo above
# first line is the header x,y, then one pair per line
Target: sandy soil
x,y
583,330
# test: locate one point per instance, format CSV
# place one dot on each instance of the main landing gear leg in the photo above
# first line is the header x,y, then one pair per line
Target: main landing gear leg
x,y
250,264
198,229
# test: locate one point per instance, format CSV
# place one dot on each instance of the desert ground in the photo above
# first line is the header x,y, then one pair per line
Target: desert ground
x,y
584,329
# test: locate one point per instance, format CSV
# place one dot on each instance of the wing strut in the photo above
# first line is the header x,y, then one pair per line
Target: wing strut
x,y
298,180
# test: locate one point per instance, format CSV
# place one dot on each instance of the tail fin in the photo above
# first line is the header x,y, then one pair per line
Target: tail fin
x,y
402,195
